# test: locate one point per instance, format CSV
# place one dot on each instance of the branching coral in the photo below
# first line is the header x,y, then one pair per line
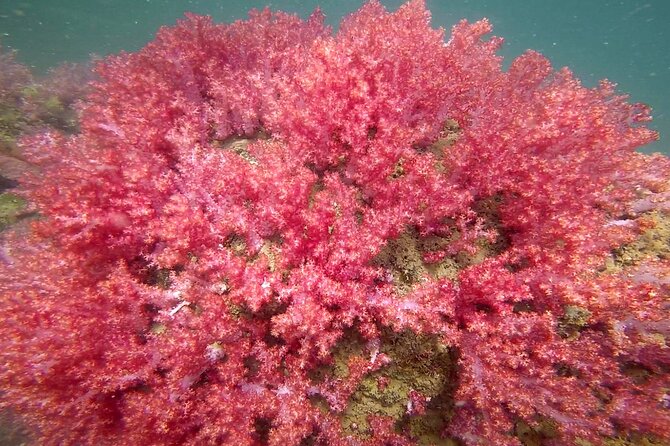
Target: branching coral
x,y
243,197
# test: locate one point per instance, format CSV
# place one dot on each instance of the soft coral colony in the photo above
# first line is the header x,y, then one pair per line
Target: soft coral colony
x,y
244,199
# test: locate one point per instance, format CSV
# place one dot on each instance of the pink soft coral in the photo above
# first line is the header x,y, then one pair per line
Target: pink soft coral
x,y
216,228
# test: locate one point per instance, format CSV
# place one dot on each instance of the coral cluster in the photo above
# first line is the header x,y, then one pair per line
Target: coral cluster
x,y
264,226
30,105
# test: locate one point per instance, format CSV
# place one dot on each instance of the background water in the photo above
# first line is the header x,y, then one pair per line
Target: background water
x,y
626,41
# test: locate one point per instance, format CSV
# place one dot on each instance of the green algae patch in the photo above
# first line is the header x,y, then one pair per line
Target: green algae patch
x,y
535,434
12,207
11,122
654,241
412,256
403,258
573,321
419,364
634,440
